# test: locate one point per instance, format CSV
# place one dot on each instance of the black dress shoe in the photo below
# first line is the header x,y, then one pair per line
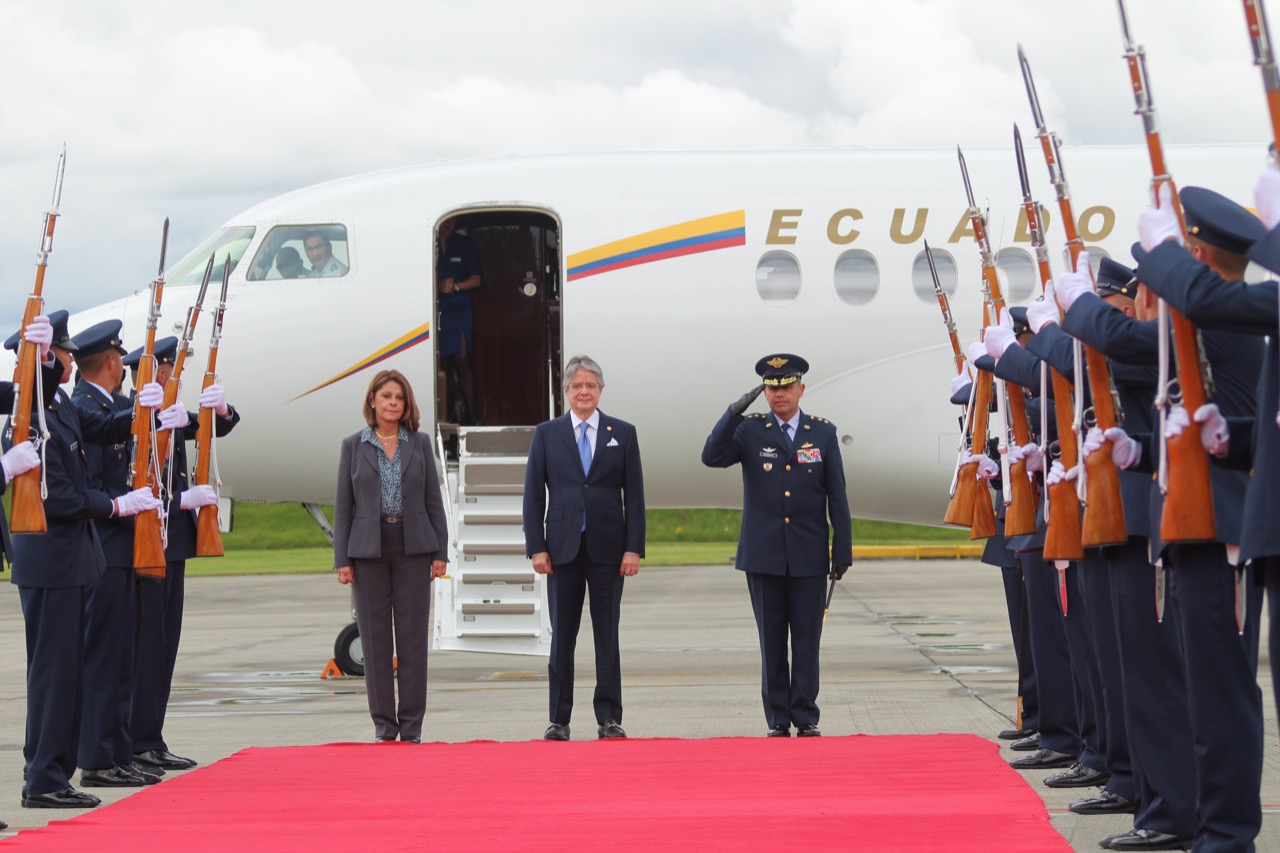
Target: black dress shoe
x,y
1078,776
610,730
164,759
67,798
384,739
411,739
1043,759
138,770
779,731
1107,802
1149,839
555,731
809,730
1030,743
3,825
1016,734
111,777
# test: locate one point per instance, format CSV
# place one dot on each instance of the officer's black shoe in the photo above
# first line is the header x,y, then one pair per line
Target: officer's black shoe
x,y
384,739
137,770
1078,776
1148,839
1030,743
410,739
67,798
808,730
1042,759
3,825
1107,802
110,777
165,759
555,731
1015,734
610,730
779,731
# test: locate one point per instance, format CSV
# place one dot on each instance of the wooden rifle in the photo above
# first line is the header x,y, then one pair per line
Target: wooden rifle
x,y
144,472
208,532
164,437
1103,522
1187,515
1062,539
958,359
28,489
1019,489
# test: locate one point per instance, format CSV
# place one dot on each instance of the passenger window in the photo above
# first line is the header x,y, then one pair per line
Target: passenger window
x,y
302,251
1019,275
778,278
857,277
922,279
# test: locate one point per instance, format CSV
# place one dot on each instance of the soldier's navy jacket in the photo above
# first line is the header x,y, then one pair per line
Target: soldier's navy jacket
x,y
788,498
1211,302
108,472
1235,360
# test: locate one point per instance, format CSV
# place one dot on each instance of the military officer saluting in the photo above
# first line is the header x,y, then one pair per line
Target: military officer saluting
x,y
793,497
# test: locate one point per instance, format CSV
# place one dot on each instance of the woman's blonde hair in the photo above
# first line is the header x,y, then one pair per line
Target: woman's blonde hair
x,y
410,418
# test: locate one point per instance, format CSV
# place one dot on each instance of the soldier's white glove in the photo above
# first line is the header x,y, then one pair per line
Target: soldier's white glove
x,y
976,350
40,332
19,459
1000,337
1044,311
198,496
1266,196
151,396
1070,285
1058,473
139,500
987,468
1031,453
174,417
1125,451
1214,434
215,397
958,382
1157,224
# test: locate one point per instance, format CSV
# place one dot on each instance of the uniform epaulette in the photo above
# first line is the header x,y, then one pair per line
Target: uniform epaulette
x,y
816,418
755,415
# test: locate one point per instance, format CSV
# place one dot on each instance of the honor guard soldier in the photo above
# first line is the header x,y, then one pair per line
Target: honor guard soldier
x,y
161,602
793,498
54,572
106,748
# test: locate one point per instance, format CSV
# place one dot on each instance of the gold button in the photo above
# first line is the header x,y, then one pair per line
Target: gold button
x,y
788,467
787,520
786,494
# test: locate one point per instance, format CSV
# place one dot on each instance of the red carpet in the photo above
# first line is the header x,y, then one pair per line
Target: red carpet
x,y
902,793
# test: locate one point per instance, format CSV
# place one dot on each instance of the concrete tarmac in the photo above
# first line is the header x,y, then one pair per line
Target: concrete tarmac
x,y
909,647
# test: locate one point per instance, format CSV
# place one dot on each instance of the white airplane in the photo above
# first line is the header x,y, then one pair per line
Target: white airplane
x,y
676,272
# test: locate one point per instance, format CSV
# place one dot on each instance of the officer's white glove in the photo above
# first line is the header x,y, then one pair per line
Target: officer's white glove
x,y
174,417
1031,453
1125,451
19,459
1070,285
988,468
1266,196
1000,337
198,496
151,396
1157,224
958,382
215,397
139,500
1058,473
40,332
1043,311
976,350
1214,434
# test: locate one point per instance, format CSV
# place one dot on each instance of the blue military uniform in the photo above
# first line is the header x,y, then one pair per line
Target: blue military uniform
x,y
793,498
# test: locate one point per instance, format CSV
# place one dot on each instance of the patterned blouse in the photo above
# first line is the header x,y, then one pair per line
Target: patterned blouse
x,y
392,496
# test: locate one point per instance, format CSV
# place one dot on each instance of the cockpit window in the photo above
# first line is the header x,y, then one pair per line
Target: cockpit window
x,y
223,243
302,251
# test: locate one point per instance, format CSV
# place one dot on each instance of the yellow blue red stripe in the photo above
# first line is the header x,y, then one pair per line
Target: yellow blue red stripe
x,y
399,345
686,238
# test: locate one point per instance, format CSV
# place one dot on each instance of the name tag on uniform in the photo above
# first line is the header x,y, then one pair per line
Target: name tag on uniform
x,y
808,455
769,452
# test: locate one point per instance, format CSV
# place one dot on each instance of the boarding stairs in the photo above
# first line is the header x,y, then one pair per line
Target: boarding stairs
x,y
491,600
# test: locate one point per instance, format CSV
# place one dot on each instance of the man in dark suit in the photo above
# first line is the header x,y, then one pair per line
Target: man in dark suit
x,y
584,529
793,484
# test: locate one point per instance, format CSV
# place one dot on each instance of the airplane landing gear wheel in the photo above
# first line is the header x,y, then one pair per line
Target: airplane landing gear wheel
x,y
347,651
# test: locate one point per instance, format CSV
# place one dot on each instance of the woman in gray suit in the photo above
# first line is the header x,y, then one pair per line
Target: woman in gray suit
x,y
390,541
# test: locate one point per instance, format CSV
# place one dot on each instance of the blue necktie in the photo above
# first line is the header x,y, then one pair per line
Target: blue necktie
x,y
584,453
786,436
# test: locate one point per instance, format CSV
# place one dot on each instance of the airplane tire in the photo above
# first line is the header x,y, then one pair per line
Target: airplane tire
x,y
347,651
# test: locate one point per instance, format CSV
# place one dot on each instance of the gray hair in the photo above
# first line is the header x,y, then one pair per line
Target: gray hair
x,y
582,362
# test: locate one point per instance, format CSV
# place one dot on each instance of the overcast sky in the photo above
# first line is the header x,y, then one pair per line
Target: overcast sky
x,y
197,110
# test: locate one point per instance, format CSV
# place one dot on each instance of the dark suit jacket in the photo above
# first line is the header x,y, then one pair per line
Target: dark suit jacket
x,y
556,492
788,499
357,511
